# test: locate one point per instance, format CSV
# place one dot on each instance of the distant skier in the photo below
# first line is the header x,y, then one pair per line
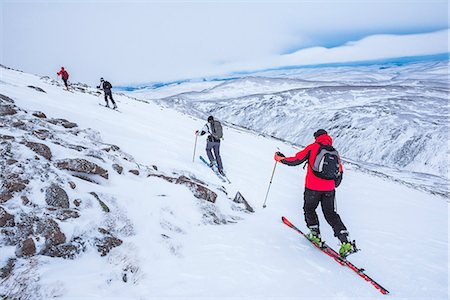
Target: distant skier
x,y
215,133
65,76
323,175
106,87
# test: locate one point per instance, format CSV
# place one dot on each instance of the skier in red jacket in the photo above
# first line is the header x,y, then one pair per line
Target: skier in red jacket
x,y
65,76
320,190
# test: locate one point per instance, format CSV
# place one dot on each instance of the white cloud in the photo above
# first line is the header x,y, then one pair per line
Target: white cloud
x,y
141,41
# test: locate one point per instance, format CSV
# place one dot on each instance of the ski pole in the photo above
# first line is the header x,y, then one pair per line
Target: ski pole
x,y
195,146
270,183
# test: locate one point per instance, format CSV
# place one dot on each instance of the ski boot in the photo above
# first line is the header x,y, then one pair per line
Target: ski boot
x,y
314,236
347,248
221,172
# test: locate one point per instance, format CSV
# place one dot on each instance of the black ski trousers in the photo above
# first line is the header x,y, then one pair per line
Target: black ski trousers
x,y
109,93
326,199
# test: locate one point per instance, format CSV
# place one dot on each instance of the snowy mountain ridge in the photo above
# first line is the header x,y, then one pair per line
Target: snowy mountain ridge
x,y
391,116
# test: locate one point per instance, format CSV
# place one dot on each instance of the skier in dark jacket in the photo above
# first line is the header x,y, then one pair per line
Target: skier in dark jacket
x,y
215,133
319,190
106,87
65,76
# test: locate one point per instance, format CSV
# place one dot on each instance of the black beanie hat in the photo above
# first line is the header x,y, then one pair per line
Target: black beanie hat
x,y
210,118
319,133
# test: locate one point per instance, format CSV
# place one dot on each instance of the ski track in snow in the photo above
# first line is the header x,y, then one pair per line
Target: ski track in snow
x,y
403,232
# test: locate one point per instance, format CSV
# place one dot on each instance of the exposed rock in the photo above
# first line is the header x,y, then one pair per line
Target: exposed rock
x,y
37,88
6,219
72,185
85,178
108,242
68,251
41,134
7,137
63,122
39,114
82,166
5,196
7,110
111,148
25,200
135,172
11,161
40,149
56,196
8,268
166,178
51,231
11,185
198,190
155,167
65,214
118,168
18,124
102,204
26,248
240,199
6,99
77,202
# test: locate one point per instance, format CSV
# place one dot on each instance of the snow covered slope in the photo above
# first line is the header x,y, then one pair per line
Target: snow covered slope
x,y
175,245
389,115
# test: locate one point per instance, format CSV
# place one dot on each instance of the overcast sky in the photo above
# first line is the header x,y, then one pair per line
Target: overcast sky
x,y
142,41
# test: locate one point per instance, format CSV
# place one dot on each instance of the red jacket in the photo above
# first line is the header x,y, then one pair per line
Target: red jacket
x,y
313,182
64,74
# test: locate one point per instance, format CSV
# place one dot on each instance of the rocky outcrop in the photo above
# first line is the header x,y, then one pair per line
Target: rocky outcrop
x,y
241,200
40,149
42,134
39,114
12,184
63,122
102,204
135,172
6,219
7,110
26,248
107,242
4,98
197,187
56,196
118,168
37,88
82,166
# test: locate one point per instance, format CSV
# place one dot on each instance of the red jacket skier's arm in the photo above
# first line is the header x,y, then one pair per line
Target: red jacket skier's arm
x,y
299,158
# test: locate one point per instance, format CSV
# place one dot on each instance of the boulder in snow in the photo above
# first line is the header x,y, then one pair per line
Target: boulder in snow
x,y
37,88
82,166
56,196
26,248
6,219
40,149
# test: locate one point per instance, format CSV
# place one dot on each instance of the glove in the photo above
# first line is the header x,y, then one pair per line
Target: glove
x,y
196,132
278,156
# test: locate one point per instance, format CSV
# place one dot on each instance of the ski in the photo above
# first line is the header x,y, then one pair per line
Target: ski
x,y
224,179
115,109
342,261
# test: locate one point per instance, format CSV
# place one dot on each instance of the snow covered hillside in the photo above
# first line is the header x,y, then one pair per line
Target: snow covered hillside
x,y
390,115
96,203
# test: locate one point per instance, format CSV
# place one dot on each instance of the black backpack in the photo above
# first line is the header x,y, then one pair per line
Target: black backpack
x,y
217,130
327,163
107,85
